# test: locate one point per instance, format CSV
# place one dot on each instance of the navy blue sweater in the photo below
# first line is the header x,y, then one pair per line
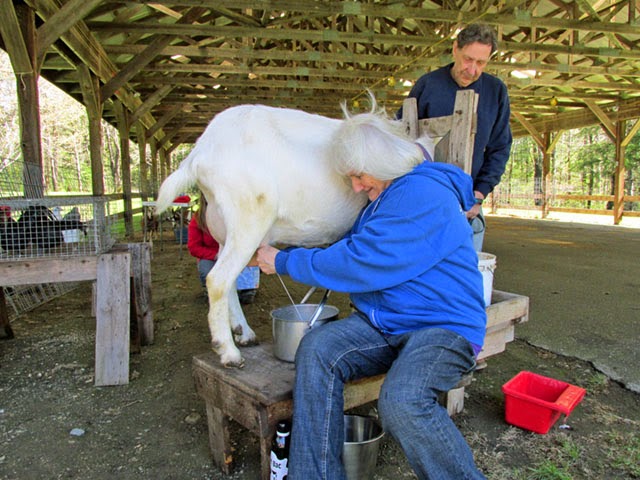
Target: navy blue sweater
x,y
436,93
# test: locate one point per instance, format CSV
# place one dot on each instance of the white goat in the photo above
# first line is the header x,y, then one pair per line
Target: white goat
x,y
268,178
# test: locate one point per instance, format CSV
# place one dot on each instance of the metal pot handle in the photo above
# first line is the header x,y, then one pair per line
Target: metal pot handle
x,y
308,294
319,308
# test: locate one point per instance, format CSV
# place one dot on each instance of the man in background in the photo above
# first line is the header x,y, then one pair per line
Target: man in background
x,y
435,93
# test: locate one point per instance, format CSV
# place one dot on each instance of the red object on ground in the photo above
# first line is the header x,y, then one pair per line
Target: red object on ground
x,y
535,402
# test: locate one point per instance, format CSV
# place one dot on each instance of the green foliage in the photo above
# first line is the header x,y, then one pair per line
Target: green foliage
x,y
583,162
65,142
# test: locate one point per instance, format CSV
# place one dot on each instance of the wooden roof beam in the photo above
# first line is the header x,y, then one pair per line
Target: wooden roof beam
x,y
608,125
146,56
164,120
60,22
13,39
152,101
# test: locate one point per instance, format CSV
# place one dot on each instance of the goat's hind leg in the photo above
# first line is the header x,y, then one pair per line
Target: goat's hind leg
x,y
242,332
226,318
218,287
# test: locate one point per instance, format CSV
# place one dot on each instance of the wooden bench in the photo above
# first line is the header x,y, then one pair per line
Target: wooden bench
x,y
260,394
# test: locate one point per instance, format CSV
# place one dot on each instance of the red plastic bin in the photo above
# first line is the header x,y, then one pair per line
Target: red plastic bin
x,y
535,402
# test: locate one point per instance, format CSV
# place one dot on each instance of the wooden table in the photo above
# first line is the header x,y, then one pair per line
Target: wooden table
x,y
260,394
123,287
182,207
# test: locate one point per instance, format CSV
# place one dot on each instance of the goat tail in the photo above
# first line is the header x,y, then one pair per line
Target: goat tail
x,y
178,182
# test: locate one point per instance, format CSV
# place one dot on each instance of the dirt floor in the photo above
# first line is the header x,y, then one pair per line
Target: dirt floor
x,y
55,424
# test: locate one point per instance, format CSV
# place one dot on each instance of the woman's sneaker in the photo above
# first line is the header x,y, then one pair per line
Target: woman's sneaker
x,y
247,296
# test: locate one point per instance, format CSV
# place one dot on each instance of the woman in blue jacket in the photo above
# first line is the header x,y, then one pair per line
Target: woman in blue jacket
x,y
410,268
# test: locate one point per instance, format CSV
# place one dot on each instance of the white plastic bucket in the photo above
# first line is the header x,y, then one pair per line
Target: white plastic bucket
x,y
71,236
487,265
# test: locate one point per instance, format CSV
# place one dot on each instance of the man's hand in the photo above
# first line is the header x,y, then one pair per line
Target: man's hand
x,y
266,258
475,210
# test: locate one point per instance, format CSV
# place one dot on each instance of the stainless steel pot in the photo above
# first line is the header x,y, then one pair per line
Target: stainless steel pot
x,y
291,323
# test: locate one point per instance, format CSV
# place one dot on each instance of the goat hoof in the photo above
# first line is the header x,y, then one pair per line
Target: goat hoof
x,y
250,342
228,357
237,330
232,364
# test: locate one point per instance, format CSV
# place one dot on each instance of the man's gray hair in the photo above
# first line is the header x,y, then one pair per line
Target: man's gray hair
x,y
478,32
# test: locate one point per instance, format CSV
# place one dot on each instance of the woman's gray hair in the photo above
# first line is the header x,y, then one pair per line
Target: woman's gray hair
x,y
478,32
373,144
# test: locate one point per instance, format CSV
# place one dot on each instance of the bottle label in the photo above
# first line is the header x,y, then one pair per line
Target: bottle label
x,y
279,467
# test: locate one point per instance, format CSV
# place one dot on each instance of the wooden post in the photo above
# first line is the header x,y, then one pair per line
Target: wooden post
x,y
28,99
142,153
618,187
125,164
141,274
154,167
166,162
456,132
410,117
5,325
546,175
112,319
463,130
90,86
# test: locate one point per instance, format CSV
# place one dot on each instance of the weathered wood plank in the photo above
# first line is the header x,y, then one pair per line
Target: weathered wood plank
x,y
462,135
12,37
141,273
435,127
46,270
410,117
219,444
112,319
5,325
362,391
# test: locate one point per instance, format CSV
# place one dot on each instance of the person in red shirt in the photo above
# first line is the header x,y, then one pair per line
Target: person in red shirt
x,y
205,248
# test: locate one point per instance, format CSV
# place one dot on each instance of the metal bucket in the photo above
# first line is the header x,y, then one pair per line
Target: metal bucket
x,y
362,437
291,323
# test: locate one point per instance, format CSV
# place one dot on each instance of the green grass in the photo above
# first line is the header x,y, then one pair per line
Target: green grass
x,y
547,470
623,450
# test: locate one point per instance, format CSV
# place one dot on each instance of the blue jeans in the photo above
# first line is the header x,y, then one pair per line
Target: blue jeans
x,y
419,366
478,225
248,279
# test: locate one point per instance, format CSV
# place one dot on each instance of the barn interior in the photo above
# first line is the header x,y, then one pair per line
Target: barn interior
x,y
158,71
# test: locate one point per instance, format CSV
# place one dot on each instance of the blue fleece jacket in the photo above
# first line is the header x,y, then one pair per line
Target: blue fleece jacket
x,y
436,94
408,261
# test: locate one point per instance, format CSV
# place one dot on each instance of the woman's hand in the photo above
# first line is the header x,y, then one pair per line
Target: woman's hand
x,y
266,258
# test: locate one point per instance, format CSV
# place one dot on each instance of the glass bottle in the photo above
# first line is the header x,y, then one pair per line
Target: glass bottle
x,y
280,451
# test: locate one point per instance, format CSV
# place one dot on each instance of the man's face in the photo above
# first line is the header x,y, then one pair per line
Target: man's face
x,y
469,62
366,183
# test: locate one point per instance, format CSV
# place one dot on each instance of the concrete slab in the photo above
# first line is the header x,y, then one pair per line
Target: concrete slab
x,y
583,282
